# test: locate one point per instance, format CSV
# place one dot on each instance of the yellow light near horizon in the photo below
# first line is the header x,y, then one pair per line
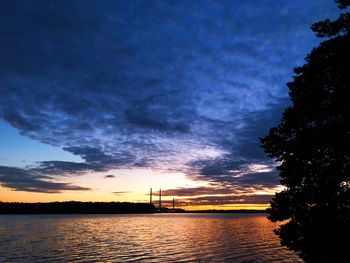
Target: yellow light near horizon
x,y
8,195
131,185
228,207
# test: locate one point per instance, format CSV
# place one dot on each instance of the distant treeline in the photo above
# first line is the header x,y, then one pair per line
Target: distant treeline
x,y
235,211
73,207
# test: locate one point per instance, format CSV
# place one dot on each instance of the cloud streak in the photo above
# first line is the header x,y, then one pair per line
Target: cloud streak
x,y
31,181
109,176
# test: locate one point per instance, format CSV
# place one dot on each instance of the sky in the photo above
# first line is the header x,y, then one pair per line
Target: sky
x,y
101,100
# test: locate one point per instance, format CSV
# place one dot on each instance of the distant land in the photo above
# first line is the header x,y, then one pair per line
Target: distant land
x,y
75,207
236,211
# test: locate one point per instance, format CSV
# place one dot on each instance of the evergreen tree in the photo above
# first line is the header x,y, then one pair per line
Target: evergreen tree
x,y
312,148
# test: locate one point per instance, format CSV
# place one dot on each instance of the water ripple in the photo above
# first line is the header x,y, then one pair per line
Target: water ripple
x,y
141,238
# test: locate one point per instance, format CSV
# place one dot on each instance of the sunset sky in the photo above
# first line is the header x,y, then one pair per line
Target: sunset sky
x,y
101,100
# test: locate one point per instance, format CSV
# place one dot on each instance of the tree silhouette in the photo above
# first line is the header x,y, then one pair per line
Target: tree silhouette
x,y
312,148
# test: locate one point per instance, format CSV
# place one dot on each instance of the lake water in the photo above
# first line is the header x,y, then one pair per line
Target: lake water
x,y
146,238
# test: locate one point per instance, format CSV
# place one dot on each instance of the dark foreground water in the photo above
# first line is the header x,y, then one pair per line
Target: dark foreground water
x,y
134,238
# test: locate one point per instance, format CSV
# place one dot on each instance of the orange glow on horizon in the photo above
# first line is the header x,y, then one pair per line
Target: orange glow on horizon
x,y
8,195
130,185
228,207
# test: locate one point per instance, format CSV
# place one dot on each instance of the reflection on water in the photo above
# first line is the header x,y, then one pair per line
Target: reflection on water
x,y
148,238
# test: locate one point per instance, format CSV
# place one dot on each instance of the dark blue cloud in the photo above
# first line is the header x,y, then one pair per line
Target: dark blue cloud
x,y
178,85
32,181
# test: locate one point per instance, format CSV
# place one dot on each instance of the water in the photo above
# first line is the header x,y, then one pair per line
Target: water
x,y
134,238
